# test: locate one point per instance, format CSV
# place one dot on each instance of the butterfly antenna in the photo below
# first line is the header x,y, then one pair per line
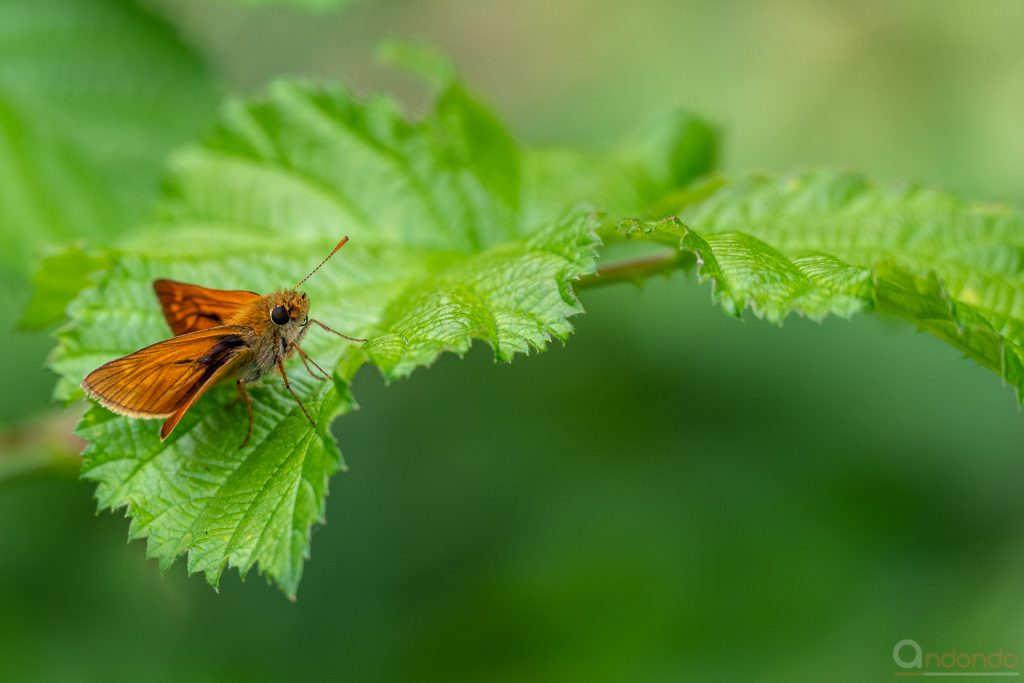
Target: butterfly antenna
x,y
320,265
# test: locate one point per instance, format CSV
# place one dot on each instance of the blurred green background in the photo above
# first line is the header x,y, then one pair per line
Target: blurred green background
x,y
674,495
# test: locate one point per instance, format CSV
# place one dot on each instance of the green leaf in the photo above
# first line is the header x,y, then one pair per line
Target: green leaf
x,y
643,176
419,57
93,94
823,242
198,493
440,255
58,279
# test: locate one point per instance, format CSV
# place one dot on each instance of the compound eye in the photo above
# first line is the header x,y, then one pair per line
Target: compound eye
x,y
279,316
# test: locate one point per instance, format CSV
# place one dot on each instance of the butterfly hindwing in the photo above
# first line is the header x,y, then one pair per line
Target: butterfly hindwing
x,y
189,308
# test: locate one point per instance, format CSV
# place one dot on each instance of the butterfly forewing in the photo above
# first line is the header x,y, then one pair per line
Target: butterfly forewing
x,y
189,308
165,379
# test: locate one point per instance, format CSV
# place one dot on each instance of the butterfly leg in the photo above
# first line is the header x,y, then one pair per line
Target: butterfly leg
x,y
343,336
280,367
306,360
240,388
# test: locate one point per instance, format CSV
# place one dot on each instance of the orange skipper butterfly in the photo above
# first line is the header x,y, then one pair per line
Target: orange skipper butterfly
x,y
220,334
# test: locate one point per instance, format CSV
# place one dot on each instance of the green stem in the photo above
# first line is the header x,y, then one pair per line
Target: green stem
x,y
44,444
636,269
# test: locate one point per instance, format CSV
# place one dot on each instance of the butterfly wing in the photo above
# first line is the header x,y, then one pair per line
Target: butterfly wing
x,y
189,308
166,378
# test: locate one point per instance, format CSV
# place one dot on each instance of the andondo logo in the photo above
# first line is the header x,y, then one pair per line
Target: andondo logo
x,y
913,660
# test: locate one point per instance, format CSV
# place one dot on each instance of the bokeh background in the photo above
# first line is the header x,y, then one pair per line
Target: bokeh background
x,y
674,495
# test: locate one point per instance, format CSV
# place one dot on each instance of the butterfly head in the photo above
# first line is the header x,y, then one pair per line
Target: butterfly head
x,y
288,308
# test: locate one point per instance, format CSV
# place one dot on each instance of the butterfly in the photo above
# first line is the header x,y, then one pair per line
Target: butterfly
x,y
220,334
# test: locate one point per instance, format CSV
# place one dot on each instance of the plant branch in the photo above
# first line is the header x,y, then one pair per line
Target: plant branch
x,y
44,444
637,268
